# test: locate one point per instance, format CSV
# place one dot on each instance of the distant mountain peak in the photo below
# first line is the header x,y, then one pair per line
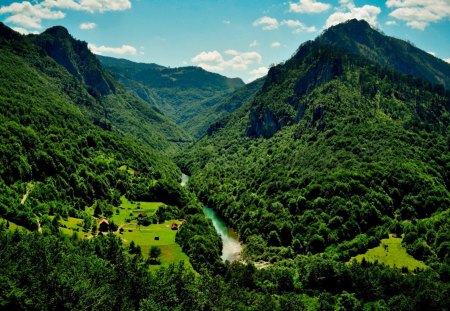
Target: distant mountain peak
x,y
337,51
359,38
58,31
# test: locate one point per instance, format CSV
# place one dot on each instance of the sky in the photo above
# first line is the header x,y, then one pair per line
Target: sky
x,y
236,38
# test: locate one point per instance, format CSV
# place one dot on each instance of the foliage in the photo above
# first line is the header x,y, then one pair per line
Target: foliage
x,y
180,93
328,157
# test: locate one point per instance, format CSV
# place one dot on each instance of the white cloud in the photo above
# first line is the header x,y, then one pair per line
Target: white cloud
x,y
88,26
123,50
23,31
231,52
447,60
91,6
215,61
391,23
369,13
297,26
27,15
432,53
227,22
253,43
258,73
275,44
266,23
208,57
418,14
30,14
309,6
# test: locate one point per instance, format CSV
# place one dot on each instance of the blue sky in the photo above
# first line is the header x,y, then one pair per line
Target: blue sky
x,y
236,38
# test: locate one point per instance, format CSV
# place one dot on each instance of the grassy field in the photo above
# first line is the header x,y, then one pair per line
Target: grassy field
x,y
131,210
391,253
144,236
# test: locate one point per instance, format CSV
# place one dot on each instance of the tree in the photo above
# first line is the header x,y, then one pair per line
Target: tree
x,y
94,229
155,252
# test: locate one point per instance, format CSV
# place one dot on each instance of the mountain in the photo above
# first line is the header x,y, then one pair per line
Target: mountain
x,y
325,59
357,37
75,56
111,106
208,120
332,154
64,143
180,93
317,164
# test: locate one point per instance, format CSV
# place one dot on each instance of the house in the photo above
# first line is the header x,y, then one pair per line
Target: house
x,y
174,226
141,216
103,225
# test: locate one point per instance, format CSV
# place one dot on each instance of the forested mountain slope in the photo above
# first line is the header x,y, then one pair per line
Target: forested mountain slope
x,y
180,93
357,37
49,138
110,105
210,119
333,153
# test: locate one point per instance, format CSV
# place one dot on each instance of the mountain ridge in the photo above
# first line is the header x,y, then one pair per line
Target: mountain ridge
x,y
180,93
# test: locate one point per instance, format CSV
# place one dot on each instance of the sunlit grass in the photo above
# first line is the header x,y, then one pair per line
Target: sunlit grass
x,y
391,253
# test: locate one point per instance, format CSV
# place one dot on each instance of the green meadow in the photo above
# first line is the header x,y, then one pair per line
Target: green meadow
x,y
391,253
144,236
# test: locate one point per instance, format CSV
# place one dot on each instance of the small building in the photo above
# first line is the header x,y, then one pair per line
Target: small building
x,y
103,225
174,226
156,238
141,216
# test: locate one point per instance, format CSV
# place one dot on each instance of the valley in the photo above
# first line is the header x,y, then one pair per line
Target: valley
x,y
324,185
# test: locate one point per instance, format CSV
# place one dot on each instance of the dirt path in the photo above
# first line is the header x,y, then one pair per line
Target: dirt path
x,y
25,196
39,225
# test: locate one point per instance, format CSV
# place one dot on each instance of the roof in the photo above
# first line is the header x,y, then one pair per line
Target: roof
x,y
103,221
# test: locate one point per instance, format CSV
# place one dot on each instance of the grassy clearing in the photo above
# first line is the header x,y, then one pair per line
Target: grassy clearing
x,y
391,253
145,238
131,210
12,226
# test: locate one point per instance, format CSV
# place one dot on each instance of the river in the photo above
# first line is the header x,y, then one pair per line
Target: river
x,y
232,248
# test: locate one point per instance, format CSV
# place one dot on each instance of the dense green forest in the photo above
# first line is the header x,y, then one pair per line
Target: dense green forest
x,y
322,160
181,93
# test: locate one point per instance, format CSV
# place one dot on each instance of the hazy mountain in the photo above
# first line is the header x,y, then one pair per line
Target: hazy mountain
x,y
180,93
212,118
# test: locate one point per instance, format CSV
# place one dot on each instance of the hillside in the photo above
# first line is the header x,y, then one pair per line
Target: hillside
x,y
111,106
357,37
326,183
49,142
180,93
331,155
208,120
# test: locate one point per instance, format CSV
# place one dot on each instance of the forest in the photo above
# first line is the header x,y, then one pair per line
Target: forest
x,y
330,159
